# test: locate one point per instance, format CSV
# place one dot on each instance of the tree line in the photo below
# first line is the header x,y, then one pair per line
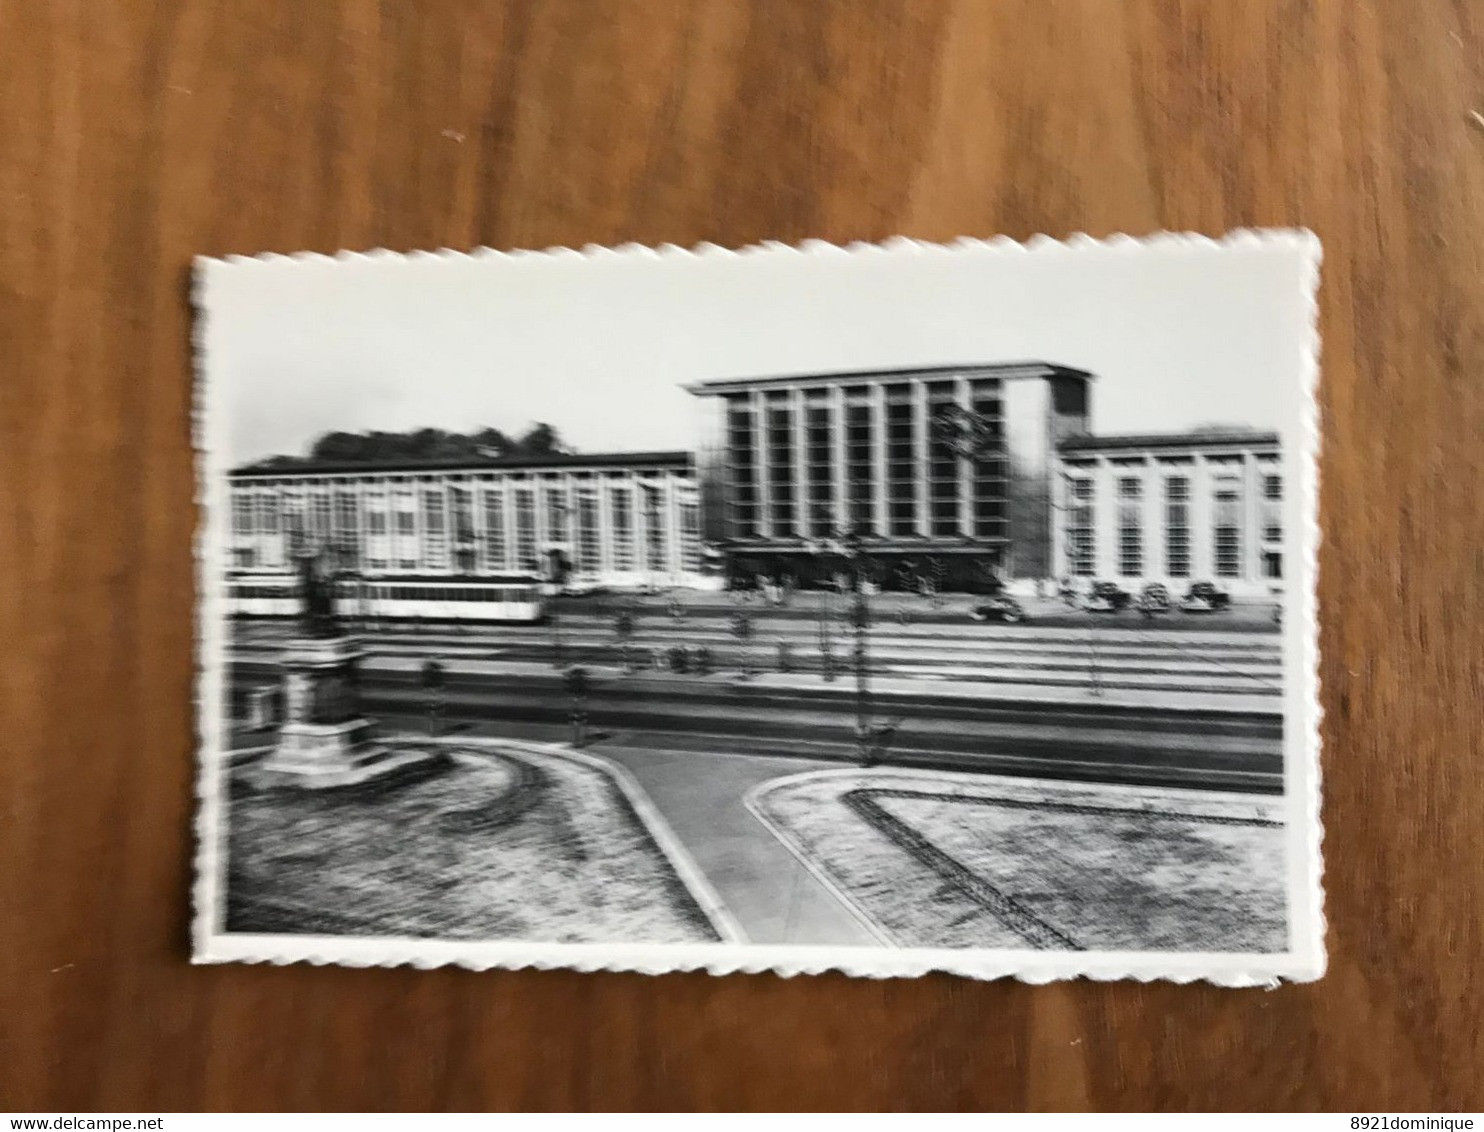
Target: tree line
x,y
426,444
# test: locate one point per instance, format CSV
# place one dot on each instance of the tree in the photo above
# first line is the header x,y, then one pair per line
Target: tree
x,y
492,441
541,439
424,444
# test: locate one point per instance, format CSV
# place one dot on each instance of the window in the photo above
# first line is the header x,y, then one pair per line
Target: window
x,y
1080,544
657,544
588,559
525,529
1130,526
1177,527
268,513
435,537
373,519
242,515
345,515
860,470
819,460
781,489
1272,507
556,513
461,511
621,510
690,533
990,481
741,468
320,515
943,460
901,448
1228,526
1272,565
494,529
406,535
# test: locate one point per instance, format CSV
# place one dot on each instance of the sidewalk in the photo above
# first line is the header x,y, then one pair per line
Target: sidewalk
x,y
763,885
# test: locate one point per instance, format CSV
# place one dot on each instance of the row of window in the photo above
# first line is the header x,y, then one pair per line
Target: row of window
x,y
640,534
376,592
941,460
1227,525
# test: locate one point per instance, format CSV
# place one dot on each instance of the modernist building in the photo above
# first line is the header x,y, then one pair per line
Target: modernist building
x,y
967,475
1172,508
945,470
620,519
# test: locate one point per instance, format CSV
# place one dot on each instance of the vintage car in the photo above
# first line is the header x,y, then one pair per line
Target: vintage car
x,y
1155,598
999,608
1204,597
1106,597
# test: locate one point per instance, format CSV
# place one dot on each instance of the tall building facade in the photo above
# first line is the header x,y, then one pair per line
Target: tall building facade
x,y
944,472
1174,508
619,519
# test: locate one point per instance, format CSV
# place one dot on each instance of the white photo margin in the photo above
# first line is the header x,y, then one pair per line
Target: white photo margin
x,y
1303,961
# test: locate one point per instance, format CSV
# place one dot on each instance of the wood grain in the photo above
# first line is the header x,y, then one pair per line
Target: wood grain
x,y
135,135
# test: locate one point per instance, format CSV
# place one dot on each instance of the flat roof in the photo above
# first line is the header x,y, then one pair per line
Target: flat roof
x,y
307,467
721,385
1226,439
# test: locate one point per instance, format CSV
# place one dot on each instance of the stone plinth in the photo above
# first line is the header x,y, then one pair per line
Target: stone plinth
x,y
324,740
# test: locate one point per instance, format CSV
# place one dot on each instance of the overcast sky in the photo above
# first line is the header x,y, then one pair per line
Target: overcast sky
x,y
601,347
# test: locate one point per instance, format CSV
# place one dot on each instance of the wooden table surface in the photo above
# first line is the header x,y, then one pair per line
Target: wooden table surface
x,y
135,135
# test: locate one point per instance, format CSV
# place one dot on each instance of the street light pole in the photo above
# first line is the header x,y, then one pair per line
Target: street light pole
x,y
861,618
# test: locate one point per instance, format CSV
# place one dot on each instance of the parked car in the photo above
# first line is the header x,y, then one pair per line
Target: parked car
x,y
1205,597
1106,597
1154,599
1001,608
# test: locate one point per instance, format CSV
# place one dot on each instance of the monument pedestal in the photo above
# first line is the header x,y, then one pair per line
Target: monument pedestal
x,y
324,740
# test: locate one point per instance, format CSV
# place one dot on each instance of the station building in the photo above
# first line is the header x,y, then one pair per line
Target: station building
x,y
945,470
1172,508
622,519
971,476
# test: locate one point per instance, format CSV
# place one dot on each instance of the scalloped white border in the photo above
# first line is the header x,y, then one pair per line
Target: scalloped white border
x,y
1304,962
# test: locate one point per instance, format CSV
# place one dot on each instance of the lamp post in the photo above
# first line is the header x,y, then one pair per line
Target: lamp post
x,y
866,731
556,570
820,553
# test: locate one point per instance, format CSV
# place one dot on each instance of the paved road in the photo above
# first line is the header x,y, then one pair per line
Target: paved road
x,y
699,791
772,895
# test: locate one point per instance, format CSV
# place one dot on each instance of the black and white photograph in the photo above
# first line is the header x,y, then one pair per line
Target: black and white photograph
x,y
884,609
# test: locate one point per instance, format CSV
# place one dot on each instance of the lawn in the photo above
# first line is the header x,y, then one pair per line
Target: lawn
x,y
943,860
496,843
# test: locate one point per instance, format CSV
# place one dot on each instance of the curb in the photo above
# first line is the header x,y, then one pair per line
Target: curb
x,y
679,858
875,930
